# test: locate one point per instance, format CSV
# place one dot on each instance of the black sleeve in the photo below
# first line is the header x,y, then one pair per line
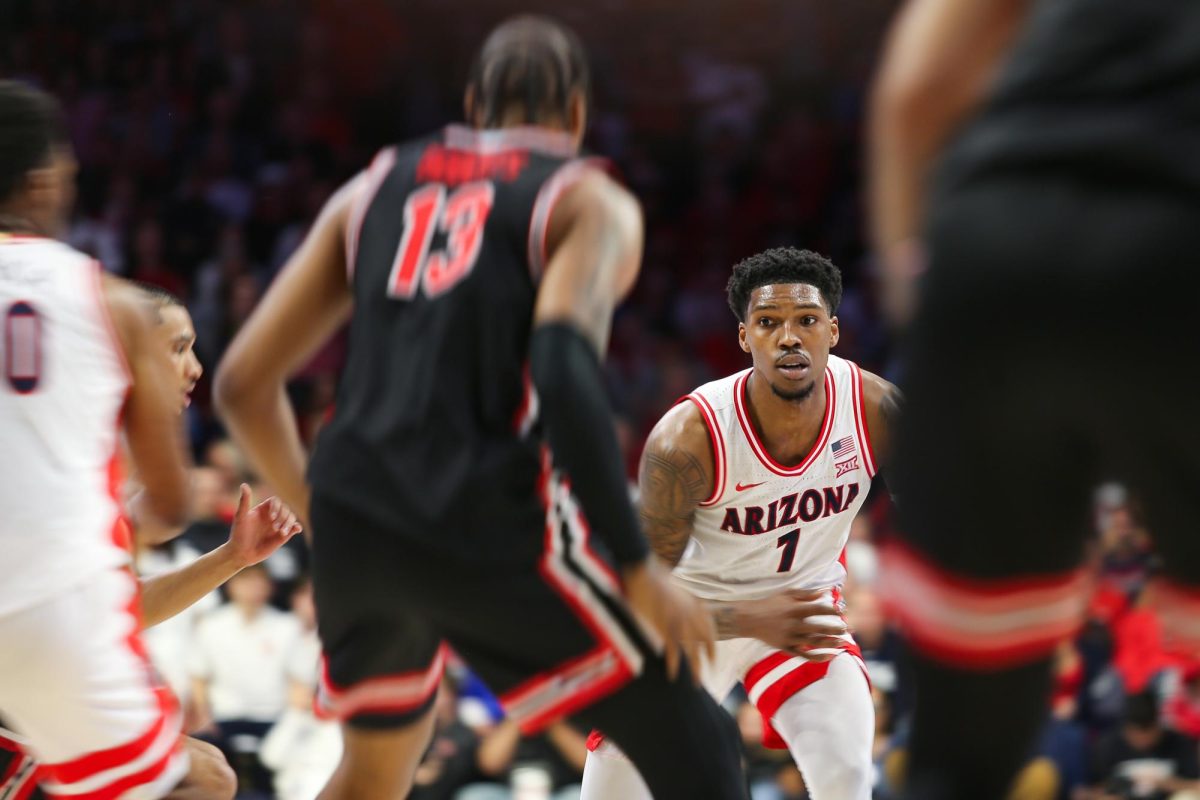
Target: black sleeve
x,y
579,428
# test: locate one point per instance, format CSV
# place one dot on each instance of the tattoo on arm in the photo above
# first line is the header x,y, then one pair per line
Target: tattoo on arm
x,y
724,620
673,483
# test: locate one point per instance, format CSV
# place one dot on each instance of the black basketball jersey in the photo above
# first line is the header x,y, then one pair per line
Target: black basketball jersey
x,y
1106,91
432,429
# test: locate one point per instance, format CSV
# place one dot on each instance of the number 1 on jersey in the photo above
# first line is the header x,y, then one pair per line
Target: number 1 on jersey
x,y
461,217
788,542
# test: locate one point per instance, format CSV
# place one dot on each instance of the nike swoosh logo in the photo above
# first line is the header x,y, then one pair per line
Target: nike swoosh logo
x,y
741,487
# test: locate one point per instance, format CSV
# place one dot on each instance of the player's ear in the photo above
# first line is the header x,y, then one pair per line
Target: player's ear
x,y
833,332
577,112
742,337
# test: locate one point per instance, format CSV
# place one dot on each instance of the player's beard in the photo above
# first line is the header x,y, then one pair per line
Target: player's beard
x,y
797,396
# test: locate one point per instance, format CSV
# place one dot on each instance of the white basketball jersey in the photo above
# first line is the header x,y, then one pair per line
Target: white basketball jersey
x,y
768,526
63,381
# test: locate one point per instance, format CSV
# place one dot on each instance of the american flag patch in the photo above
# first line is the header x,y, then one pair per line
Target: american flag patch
x,y
843,447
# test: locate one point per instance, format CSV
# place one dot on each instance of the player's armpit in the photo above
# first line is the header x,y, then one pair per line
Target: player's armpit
x,y
151,415
675,477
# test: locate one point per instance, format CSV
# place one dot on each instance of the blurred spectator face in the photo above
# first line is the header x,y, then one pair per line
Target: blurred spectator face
x,y
209,493
179,336
864,615
147,243
223,456
303,606
750,724
1142,738
250,589
243,297
1140,727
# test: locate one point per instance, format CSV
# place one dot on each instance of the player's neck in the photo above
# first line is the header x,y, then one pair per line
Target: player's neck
x,y
787,428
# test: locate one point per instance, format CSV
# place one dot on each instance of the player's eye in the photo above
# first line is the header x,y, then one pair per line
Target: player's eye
x,y
810,320
765,322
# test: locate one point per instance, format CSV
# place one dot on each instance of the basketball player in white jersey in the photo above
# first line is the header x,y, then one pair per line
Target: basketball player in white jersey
x,y
256,533
79,364
748,488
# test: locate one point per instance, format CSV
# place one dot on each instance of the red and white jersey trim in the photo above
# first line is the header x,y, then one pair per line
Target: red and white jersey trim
x,y
717,440
587,584
977,623
548,196
524,137
391,694
369,182
860,419
760,450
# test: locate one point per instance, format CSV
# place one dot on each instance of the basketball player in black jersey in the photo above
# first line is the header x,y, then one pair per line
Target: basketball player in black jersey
x,y
1053,344
472,451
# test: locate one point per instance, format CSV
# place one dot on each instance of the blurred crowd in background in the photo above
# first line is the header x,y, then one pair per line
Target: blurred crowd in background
x,y
210,133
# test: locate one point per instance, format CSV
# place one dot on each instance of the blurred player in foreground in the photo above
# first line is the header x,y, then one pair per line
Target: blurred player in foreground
x,y
81,364
472,450
1053,342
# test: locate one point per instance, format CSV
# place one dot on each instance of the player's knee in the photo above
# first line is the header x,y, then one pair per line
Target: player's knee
x,y
210,775
843,777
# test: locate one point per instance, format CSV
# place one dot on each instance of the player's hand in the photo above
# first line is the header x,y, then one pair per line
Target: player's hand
x,y
682,621
795,621
259,531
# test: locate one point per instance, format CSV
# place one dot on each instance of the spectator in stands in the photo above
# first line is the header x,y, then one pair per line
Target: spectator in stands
x,y
771,773
211,512
1143,759
882,648
1182,712
450,762
553,759
303,751
239,671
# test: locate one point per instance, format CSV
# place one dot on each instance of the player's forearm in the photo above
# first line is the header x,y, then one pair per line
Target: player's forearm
x,y
149,528
579,427
261,420
725,620
938,64
164,596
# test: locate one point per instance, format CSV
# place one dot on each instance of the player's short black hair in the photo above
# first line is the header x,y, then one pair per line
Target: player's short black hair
x,y
159,296
31,126
783,265
529,62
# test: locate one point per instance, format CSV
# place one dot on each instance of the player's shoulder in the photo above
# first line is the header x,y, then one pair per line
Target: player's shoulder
x,y
594,190
878,392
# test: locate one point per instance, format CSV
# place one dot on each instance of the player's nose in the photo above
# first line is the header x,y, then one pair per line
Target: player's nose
x,y
194,368
789,334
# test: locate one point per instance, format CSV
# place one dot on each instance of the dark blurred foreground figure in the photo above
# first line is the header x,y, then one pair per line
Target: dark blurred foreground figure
x,y
1038,163
483,264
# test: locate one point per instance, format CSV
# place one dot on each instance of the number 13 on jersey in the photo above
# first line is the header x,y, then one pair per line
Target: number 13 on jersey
x,y
461,215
